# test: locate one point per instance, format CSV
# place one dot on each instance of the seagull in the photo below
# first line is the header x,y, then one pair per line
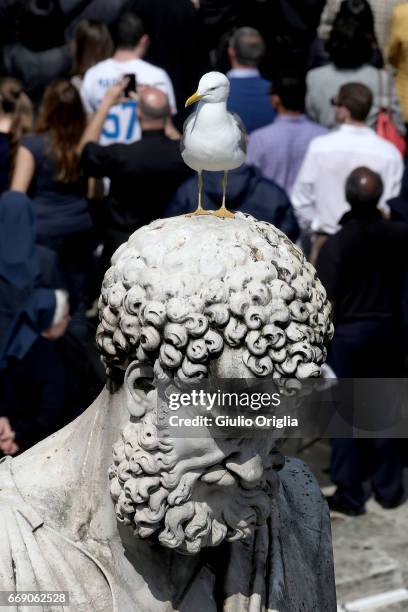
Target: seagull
x,y
213,138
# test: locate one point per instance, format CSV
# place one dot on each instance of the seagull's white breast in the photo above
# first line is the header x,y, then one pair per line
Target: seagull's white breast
x,y
212,139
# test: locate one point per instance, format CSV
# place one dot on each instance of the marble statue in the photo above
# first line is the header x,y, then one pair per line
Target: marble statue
x,y
127,518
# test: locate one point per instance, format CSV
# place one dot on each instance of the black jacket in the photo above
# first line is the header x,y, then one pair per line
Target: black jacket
x,y
144,177
247,191
364,266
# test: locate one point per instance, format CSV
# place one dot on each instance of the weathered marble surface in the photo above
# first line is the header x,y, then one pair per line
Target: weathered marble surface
x,y
185,298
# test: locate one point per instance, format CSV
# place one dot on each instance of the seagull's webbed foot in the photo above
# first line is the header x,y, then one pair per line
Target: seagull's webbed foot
x,y
223,213
199,211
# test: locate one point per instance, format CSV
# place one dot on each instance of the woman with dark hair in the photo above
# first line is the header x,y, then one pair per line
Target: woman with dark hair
x,y
382,12
350,47
47,169
16,119
352,40
92,44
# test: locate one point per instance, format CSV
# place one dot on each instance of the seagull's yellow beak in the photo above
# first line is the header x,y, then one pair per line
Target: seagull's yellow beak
x,y
194,98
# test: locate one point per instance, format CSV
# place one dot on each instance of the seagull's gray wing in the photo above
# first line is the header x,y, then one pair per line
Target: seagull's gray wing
x,y
241,127
185,125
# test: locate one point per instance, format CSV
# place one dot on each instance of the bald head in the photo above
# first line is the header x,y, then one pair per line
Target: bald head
x,y
364,188
153,106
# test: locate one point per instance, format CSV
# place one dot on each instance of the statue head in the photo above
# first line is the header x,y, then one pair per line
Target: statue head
x,y
194,298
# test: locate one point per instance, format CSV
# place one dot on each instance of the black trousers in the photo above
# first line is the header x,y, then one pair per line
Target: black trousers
x,y
355,461
369,348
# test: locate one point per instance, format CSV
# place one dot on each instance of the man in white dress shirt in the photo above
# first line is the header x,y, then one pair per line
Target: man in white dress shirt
x,y
131,41
318,196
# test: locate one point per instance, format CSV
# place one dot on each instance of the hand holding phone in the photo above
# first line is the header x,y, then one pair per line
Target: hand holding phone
x,y
131,85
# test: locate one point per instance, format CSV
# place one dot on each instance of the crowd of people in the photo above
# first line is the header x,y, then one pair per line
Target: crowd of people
x,y
91,114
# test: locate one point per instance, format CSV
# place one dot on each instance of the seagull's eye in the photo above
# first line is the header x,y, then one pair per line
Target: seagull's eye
x,y
212,88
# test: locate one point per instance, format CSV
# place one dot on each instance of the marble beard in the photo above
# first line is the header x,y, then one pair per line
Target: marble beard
x,y
185,299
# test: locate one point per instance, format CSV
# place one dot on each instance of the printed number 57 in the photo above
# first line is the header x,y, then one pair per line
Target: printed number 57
x,y
112,127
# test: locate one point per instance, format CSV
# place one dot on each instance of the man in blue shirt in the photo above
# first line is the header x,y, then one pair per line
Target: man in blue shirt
x,y
278,150
249,93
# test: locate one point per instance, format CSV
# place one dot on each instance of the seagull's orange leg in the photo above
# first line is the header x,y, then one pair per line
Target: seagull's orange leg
x,y
222,211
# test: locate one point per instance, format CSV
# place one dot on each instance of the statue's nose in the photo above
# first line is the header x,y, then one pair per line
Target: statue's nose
x,y
248,469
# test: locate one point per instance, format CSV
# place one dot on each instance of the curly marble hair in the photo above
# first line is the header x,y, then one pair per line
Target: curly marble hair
x,y
182,288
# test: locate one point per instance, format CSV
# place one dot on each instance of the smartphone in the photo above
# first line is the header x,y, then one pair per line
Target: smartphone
x,y
131,86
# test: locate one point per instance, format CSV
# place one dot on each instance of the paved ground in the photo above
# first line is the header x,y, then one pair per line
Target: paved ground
x,y
370,551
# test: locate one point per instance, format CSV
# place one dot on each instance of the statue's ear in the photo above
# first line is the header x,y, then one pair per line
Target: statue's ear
x,y
138,380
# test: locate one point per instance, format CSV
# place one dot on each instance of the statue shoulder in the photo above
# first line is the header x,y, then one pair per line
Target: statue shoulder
x,y
35,557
